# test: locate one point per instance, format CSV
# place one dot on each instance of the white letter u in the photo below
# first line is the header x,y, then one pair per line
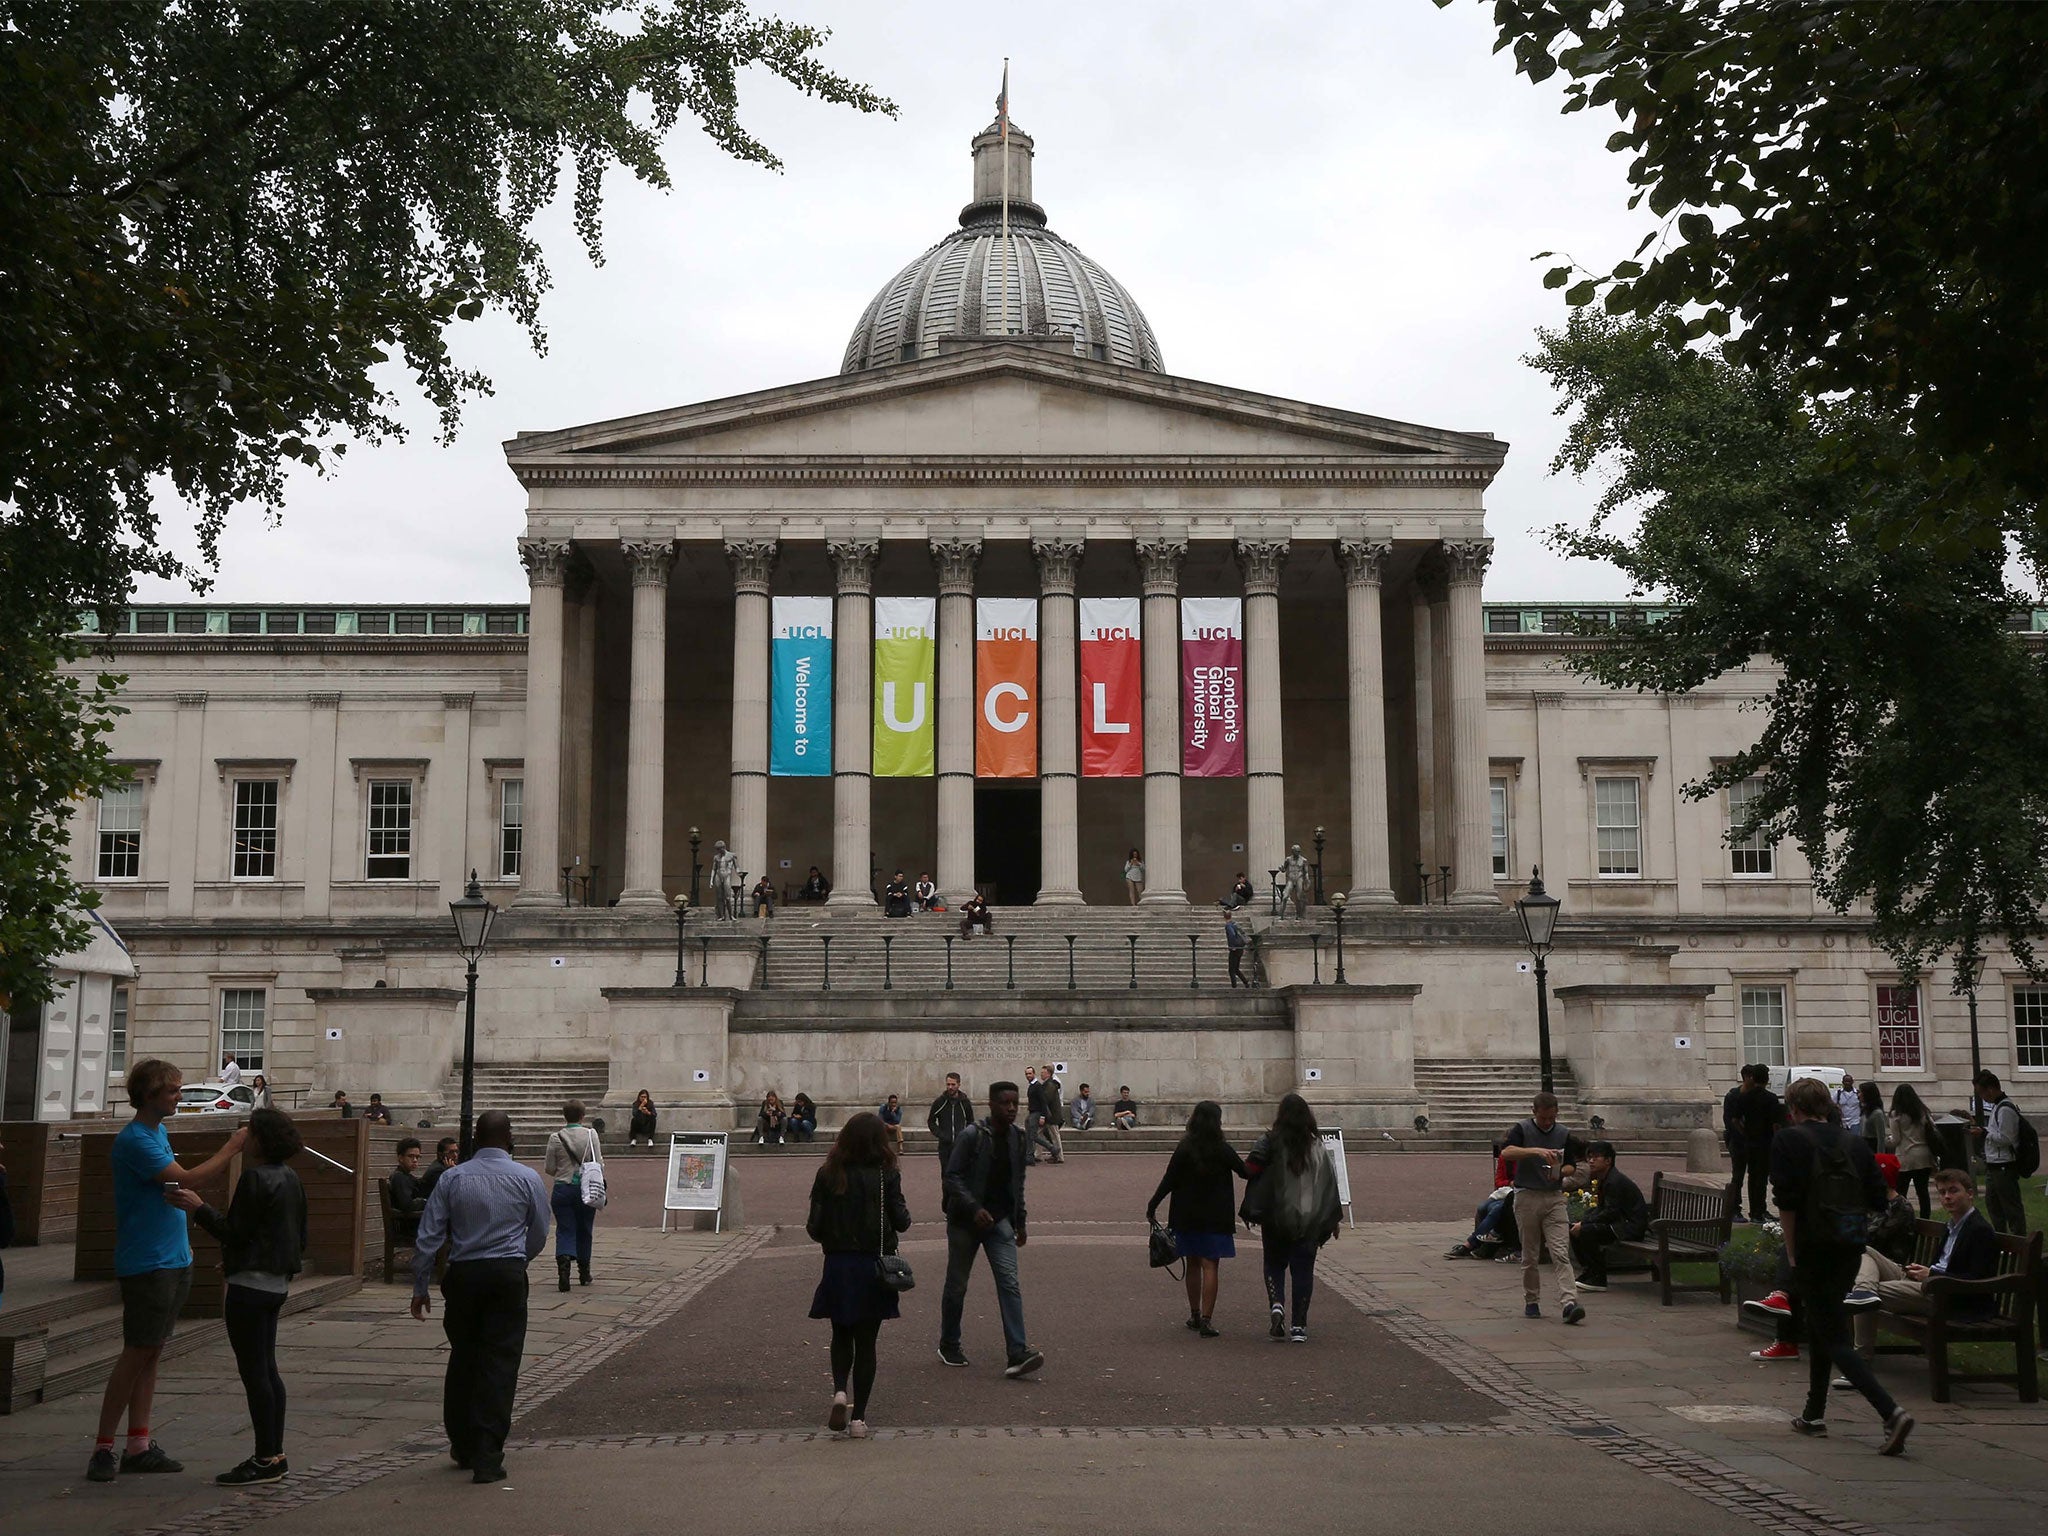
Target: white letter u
x,y
889,718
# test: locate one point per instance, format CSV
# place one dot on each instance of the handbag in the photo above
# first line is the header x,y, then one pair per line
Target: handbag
x,y
1161,1250
589,1177
892,1270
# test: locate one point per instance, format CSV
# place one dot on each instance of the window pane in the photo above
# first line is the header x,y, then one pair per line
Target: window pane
x,y
1898,1028
390,856
117,1034
511,827
1750,855
120,829
241,1025
1617,827
1763,1025
255,831
1498,797
2030,1026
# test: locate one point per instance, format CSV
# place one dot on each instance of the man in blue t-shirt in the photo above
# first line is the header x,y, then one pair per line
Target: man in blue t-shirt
x,y
152,1261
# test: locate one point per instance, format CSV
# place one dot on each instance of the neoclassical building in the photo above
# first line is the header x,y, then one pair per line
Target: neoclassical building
x,y
1001,602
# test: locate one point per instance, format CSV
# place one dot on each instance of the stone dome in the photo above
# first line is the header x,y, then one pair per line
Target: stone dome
x,y
975,285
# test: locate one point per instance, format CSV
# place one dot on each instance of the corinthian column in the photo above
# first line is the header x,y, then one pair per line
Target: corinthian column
x,y
956,560
1265,784
1059,814
1364,562
853,652
540,874
1159,562
646,719
752,562
1472,858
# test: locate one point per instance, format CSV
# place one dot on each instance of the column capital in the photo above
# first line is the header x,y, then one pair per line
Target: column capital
x,y
853,564
1059,563
1159,563
1364,560
752,562
1465,560
546,561
649,560
1260,560
956,559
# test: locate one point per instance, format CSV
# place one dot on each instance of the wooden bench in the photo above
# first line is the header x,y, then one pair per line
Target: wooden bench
x,y
393,1224
1689,1223
2019,1269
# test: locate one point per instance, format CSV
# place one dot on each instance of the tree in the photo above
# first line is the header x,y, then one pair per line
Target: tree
x,y
216,219
1905,739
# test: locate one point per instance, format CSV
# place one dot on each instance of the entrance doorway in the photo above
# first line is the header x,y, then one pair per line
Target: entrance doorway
x,y
1006,840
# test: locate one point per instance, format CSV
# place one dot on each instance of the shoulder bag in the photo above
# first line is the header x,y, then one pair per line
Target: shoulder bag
x,y
590,1175
892,1270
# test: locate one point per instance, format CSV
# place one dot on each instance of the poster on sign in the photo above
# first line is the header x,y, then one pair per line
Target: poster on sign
x,y
1112,689
1006,688
1212,687
696,1175
906,652
800,716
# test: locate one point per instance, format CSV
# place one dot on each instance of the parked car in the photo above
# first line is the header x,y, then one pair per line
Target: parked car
x,y
216,1098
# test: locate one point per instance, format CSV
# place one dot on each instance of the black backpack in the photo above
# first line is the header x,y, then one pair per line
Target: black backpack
x,y
1836,1212
2026,1152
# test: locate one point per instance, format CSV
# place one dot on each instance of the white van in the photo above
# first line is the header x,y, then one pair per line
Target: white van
x,y
1783,1077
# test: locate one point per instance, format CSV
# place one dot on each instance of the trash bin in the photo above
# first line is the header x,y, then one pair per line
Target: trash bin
x,y
1951,1141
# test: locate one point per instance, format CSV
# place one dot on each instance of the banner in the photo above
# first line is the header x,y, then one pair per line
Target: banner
x,y
800,688
906,652
1006,688
1212,687
1112,689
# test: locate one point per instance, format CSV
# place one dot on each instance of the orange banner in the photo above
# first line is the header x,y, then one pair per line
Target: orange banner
x,y
1006,688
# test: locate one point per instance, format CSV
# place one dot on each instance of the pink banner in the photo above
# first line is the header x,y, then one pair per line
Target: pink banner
x,y
1212,687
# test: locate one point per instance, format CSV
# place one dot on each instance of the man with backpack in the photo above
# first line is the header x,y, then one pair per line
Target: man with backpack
x,y
2011,1152
1826,1184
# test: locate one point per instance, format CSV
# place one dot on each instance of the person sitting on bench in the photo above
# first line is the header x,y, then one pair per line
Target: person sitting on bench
x,y
1619,1214
1968,1252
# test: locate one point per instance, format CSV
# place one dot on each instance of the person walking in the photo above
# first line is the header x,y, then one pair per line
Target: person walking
x,y
985,1214
490,1214
152,1263
1999,1137
857,1209
1134,876
1054,1118
1850,1104
230,1070
951,1113
569,1150
640,1124
1236,943
259,1093
1824,1178
1543,1154
262,1244
1034,1116
1873,1126
1294,1201
1202,1210
1752,1115
1912,1131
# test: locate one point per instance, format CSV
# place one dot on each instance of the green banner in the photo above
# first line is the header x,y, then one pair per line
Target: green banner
x,y
906,656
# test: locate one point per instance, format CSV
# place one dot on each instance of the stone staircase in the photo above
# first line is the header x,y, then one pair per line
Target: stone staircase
x,y
1474,1100
532,1092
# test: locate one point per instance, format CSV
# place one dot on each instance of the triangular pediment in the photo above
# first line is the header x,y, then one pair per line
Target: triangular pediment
x,y
1004,402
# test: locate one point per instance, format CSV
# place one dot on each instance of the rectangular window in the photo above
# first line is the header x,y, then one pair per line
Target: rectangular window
x,y
1497,796
117,1034
241,1026
511,827
390,856
1751,856
121,833
1900,1047
1763,1026
255,843
1618,826
2030,1026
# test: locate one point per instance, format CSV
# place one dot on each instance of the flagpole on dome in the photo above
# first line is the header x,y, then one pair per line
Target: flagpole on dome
x,y
1009,247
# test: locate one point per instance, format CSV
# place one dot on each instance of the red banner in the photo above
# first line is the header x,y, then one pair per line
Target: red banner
x,y
1006,688
1112,689
1212,687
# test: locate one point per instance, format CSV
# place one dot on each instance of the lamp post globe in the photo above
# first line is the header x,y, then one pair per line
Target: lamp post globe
x,y
473,915
1537,913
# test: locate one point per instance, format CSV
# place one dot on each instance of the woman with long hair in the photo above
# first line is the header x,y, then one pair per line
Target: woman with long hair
x,y
1295,1201
856,1211
262,1243
1203,1212
1870,1100
769,1122
1913,1141
642,1120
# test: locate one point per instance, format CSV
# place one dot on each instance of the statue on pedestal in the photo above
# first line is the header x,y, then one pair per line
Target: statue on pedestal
x,y
725,876
1294,877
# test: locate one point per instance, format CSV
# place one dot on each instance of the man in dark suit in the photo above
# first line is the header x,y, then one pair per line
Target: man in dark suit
x,y
1751,1115
1968,1252
1619,1214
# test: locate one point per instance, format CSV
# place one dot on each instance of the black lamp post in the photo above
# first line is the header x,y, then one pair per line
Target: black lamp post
x,y
1537,913
1337,906
696,869
682,963
1969,972
1319,865
473,916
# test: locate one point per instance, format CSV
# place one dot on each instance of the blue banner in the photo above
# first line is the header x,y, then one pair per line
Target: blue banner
x,y
800,690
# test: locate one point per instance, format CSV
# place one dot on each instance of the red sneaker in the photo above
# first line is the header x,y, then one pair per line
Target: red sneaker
x,y
1777,1304
1776,1352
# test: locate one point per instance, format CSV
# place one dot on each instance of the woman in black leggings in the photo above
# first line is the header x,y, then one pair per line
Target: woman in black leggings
x,y
856,1211
1294,1200
263,1240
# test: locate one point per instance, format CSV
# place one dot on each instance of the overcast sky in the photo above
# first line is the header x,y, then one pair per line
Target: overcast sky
x,y
1336,202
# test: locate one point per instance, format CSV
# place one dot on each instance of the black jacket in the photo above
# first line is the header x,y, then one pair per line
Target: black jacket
x,y
1975,1258
1752,1118
1622,1210
1793,1156
406,1198
265,1225
1034,1098
1204,1199
949,1117
640,1123
850,1220
967,1171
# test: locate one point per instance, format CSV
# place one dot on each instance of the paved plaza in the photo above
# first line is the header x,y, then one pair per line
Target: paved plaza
x,y
686,1391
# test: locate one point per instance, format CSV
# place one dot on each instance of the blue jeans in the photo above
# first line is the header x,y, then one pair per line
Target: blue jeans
x,y
800,1130
573,1223
962,1244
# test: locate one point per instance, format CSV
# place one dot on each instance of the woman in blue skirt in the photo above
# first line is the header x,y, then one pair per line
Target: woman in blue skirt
x,y
856,1211
1203,1212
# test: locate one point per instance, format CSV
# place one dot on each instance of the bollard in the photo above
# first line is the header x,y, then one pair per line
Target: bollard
x,y
1704,1152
